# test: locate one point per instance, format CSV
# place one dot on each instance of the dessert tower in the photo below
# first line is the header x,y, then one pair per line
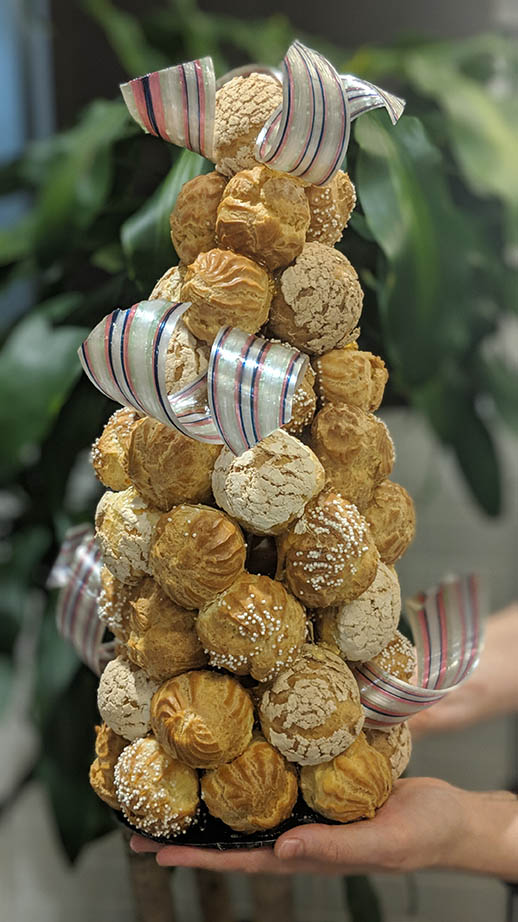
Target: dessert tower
x,y
245,589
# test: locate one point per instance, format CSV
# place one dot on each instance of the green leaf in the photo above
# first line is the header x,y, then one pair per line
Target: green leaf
x,y
56,667
426,286
127,38
19,571
146,238
501,380
362,900
38,368
16,242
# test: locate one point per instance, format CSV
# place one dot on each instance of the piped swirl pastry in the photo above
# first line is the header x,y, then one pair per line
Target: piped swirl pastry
x,y
256,791
167,467
355,448
391,516
202,718
193,219
110,451
267,487
351,376
312,710
108,747
197,553
264,215
255,627
351,786
225,288
162,638
328,555
157,794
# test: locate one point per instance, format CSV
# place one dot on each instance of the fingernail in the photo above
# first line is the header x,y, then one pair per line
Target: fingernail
x,y
289,849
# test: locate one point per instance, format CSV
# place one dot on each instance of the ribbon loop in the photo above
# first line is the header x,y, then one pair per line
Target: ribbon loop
x,y
363,96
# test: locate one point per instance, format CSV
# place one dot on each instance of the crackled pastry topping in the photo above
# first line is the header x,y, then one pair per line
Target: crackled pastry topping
x,y
108,747
114,604
162,638
109,453
193,219
202,718
225,288
350,787
318,301
255,627
363,628
391,516
124,698
169,286
157,794
197,553
312,709
243,105
267,487
124,528
331,207
256,791
399,657
355,448
264,215
167,467
351,376
395,745
328,556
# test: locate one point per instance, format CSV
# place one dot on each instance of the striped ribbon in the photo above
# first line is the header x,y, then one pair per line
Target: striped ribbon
x,y
246,393
447,627
306,136
77,573
176,104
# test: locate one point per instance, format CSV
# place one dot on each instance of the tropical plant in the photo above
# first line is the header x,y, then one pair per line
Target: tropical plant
x,y
434,238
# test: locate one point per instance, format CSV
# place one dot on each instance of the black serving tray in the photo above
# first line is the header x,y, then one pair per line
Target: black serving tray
x,y
209,832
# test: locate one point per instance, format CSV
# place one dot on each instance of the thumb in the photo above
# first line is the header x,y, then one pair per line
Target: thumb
x,y
348,846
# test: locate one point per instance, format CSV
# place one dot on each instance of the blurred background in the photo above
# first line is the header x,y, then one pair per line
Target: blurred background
x,y
84,217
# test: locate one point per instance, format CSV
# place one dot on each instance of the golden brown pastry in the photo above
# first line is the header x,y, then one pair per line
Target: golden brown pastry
x,y
225,288
162,637
304,404
110,451
169,286
124,528
193,219
328,556
395,744
351,376
256,791
350,787
197,553
312,710
318,301
331,207
108,747
202,718
157,794
255,627
267,487
114,604
264,215
398,658
391,516
243,105
363,627
355,448
167,467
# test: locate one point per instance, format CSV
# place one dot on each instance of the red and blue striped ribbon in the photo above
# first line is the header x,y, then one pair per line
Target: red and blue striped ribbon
x,y
363,96
77,573
447,627
246,393
176,104
308,135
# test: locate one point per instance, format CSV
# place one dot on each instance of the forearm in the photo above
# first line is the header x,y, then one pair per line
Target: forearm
x,y
488,840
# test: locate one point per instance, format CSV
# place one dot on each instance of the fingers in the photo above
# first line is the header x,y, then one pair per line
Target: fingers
x,y
141,845
352,849
251,861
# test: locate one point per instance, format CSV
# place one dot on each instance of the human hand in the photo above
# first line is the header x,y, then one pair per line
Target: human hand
x,y
491,690
419,826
